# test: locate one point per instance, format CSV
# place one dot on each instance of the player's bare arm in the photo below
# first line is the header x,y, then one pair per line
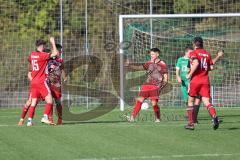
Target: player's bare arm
x,y
30,76
179,80
165,80
165,77
194,67
29,72
188,67
132,65
54,48
219,55
211,67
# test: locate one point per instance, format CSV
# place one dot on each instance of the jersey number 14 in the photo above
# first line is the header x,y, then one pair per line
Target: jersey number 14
x,y
204,64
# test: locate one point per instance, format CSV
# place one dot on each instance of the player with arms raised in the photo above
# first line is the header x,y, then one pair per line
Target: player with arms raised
x,y
39,88
201,64
55,74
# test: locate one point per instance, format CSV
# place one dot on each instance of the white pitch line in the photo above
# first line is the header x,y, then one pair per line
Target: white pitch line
x,y
162,157
4,125
4,116
41,126
105,124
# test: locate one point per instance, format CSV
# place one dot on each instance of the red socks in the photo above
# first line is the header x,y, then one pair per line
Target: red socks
x,y
190,114
24,111
156,111
48,108
50,116
31,111
59,111
49,111
136,109
211,110
195,113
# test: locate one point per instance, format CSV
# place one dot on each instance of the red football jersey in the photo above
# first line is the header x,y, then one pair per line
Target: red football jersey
x,y
200,76
55,67
38,61
155,72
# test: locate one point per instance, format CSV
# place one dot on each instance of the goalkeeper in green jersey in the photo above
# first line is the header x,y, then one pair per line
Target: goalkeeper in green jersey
x,y
182,71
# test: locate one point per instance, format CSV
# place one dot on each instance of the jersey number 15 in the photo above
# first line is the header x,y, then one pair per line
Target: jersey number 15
x,y
35,66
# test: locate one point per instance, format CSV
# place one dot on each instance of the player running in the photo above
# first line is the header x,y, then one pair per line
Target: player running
x,y
39,88
201,63
55,75
157,77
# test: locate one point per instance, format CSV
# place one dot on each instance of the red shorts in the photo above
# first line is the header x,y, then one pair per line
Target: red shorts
x,y
55,91
40,90
149,91
30,97
199,89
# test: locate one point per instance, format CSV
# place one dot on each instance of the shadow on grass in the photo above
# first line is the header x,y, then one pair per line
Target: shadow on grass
x,y
94,122
233,128
224,129
230,115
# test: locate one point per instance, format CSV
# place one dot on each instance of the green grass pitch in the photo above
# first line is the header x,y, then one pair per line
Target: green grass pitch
x,y
110,137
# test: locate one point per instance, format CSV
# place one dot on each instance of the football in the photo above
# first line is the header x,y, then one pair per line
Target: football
x,y
145,106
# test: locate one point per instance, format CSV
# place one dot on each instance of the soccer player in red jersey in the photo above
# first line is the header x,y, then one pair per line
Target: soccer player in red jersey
x,y
29,100
27,104
157,77
201,64
55,75
198,98
39,88
55,93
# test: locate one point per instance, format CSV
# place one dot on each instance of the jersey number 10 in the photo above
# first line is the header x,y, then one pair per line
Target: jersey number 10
x,y
35,66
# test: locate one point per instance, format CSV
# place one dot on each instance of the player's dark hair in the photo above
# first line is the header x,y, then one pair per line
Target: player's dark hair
x,y
40,42
188,47
198,42
47,50
155,50
59,46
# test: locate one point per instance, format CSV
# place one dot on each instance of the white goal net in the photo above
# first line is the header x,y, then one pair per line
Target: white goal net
x,y
171,33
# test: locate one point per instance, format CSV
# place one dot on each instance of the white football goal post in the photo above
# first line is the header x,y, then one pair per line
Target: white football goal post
x,y
171,33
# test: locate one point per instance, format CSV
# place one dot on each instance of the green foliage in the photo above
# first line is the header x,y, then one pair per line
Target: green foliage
x,y
24,21
189,6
